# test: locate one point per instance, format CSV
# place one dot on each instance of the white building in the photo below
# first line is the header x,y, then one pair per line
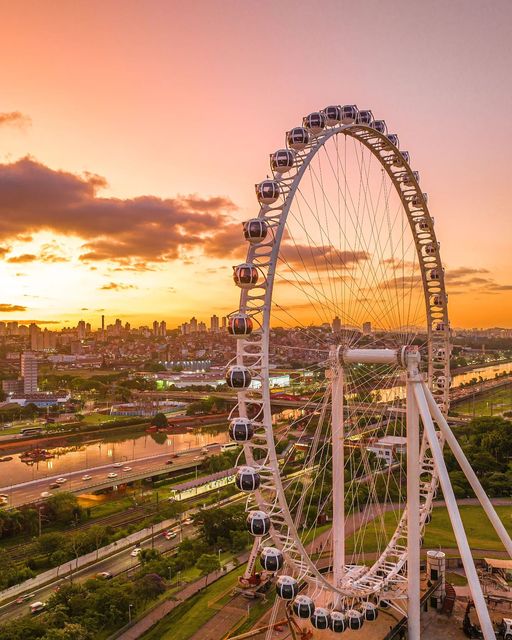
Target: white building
x,y
29,372
388,448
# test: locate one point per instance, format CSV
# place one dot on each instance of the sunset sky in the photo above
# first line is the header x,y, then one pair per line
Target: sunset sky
x,y
132,133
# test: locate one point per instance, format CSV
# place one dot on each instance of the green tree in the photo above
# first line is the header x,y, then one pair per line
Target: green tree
x,y
207,563
159,420
149,586
149,555
70,631
48,543
64,507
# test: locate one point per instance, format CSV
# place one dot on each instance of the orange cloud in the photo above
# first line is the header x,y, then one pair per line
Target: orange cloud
x,y
130,232
8,308
25,257
15,118
114,286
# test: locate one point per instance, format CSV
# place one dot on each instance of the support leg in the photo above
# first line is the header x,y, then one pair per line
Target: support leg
x,y
413,510
338,475
453,511
468,471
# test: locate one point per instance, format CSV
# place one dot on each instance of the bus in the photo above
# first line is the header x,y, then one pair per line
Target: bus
x,y
229,447
31,431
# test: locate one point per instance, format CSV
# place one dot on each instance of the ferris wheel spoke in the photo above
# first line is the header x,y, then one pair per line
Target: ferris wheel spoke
x,y
345,240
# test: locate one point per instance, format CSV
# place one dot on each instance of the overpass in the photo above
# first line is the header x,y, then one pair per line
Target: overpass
x,y
456,395
139,469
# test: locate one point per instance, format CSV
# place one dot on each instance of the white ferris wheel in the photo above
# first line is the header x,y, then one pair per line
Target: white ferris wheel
x,y
344,256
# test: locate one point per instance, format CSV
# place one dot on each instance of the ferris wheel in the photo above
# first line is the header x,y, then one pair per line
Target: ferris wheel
x,y
343,283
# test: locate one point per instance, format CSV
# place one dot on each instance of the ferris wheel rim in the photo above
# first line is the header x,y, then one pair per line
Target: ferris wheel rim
x,y
303,158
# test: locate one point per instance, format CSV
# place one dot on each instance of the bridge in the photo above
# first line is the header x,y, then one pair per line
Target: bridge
x,y
139,469
457,394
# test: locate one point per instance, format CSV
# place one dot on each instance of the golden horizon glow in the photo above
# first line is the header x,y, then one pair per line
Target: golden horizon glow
x,y
164,100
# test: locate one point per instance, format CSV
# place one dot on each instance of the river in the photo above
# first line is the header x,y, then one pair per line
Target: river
x,y
100,451
82,452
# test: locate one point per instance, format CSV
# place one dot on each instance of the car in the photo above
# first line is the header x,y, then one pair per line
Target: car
x,y
175,455
46,494
61,480
169,535
54,485
104,575
24,598
169,462
127,468
204,450
37,607
198,458
4,496
117,464
188,520
135,552
86,477
4,500
112,475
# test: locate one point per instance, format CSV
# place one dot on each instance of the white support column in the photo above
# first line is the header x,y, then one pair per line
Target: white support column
x,y
413,501
468,471
338,471
453,512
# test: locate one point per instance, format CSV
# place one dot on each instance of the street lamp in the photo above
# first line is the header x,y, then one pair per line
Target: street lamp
x,y
130,613
220,550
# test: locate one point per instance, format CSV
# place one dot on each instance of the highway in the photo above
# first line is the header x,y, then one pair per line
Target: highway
x,y
116,564
139,468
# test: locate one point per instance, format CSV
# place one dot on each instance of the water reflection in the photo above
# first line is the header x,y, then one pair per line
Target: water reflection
x,y
94,453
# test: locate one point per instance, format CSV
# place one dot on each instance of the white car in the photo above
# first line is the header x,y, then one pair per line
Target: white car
x,y
117,464
46,494
127,468
37,607
169,535
86,477
112,475
135,552
61,480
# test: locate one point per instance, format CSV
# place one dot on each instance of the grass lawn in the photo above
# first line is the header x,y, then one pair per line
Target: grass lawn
x,y
487,404
83,373
100,418
439,532
456,579
190,616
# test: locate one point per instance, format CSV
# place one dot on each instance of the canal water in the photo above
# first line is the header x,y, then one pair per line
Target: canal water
x,y
82,452
88,453
486,373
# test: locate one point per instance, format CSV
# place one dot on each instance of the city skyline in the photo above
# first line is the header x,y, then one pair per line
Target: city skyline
x,y
127,203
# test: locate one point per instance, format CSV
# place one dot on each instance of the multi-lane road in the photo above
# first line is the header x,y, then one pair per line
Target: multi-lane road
x,y
97,477
118,563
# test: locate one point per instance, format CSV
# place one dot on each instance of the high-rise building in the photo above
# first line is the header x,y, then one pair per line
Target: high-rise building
x,y
29,371
201,327
214,324
88,328
367,328
224,323
80,329
193,325
156,328
118,327
163,328
34,330
336,325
